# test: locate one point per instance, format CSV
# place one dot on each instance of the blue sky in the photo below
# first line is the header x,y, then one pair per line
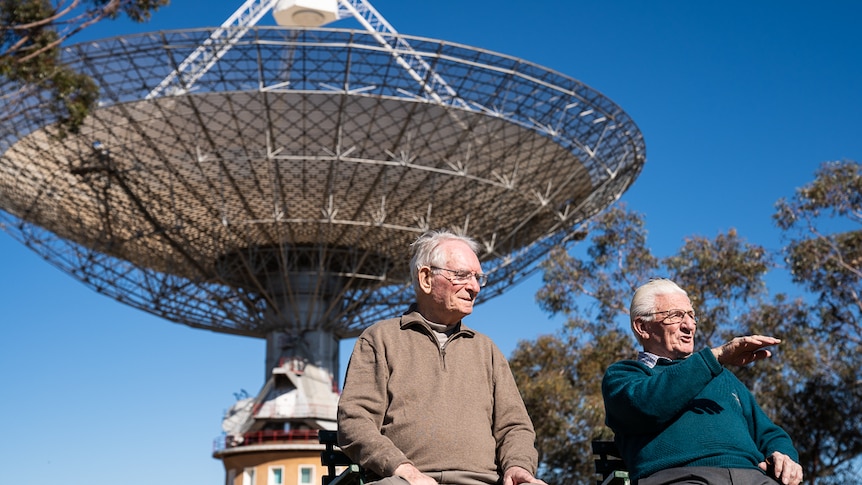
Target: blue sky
x,y
739,102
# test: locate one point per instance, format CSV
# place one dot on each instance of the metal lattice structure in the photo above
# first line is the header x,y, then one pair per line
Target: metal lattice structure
x,y
281,194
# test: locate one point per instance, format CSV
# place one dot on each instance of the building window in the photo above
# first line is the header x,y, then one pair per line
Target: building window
x,y
306,474
276,475
248,476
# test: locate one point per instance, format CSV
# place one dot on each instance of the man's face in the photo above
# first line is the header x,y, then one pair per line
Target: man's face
x,y
672,341
448,303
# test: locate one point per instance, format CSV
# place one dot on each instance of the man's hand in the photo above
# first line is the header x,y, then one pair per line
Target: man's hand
x,y
783,468
744,350
515,475
413,475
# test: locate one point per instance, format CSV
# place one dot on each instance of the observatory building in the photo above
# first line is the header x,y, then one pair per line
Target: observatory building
x,y
268,181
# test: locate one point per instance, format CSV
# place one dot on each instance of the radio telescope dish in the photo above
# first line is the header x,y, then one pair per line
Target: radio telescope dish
x,y
267,182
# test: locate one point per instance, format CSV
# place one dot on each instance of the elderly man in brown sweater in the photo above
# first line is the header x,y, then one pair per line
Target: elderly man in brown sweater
x,y
427,400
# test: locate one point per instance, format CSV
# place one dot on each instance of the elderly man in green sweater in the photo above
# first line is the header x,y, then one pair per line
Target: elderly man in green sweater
x,y
680,417
428,400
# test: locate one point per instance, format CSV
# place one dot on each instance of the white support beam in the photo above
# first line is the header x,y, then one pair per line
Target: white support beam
x,y
412,62
183,79
220,41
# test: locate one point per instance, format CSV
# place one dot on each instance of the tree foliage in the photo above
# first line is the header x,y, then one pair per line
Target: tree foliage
x,y
31,32
812,386
823,223
560,375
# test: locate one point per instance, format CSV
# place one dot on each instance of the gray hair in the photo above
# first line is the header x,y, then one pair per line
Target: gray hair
x,y
426,251
643,301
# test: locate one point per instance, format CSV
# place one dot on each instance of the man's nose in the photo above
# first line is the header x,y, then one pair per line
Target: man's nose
x,y
689,323
473,285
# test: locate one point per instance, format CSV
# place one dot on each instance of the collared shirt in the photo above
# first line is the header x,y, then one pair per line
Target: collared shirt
x,y
649,359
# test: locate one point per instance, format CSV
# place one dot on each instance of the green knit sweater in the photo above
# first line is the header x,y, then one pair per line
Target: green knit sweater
x,y
690,412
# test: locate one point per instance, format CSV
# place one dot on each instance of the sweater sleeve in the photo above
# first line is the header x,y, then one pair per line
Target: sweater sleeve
x,y
767,436
361,409
639,399
512,427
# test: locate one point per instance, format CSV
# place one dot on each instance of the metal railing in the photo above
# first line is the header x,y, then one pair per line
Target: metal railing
x,y
263,437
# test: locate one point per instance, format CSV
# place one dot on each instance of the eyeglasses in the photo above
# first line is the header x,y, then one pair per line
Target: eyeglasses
x,y
675,316
463,277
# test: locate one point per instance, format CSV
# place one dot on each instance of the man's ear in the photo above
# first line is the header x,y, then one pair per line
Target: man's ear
x,y
638,326
425,275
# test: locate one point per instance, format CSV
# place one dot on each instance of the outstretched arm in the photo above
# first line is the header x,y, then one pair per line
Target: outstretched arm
x,y
744,350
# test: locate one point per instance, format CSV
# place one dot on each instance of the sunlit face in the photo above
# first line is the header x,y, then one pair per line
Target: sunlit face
x,y
442,301
672,341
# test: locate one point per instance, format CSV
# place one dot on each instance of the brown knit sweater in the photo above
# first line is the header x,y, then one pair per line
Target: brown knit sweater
x,y
406,400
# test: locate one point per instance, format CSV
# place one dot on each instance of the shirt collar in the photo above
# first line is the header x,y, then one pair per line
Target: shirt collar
x,y
413,317
649,359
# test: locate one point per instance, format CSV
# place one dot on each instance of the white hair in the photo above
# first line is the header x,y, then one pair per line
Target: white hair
x,y
426,251
643,301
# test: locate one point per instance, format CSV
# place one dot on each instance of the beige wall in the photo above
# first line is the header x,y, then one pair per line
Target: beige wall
x,y
262,461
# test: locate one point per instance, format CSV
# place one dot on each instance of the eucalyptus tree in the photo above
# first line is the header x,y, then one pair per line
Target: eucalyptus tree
x,y
822,226
560,375
31,33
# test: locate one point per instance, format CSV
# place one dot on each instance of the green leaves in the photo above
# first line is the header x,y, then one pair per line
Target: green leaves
x,y
32,31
